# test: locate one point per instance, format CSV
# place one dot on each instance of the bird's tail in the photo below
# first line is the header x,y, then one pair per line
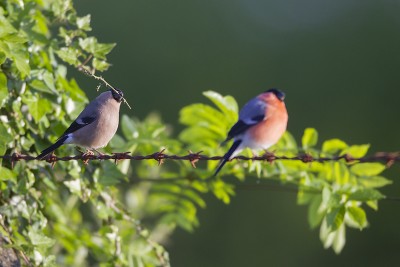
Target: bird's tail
x,y
227,156
52,147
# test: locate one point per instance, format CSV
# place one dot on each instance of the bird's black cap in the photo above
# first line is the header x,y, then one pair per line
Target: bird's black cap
x,y
279,94
118,96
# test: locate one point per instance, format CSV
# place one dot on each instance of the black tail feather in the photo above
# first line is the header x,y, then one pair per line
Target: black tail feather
x,y
53,147
227,156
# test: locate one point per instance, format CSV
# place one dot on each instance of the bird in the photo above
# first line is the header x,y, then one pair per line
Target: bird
x,y
262,121
95,125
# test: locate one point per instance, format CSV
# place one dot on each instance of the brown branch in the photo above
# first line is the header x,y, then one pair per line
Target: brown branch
x,y
384,157
87,71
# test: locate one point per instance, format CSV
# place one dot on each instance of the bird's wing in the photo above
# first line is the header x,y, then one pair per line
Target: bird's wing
x,y
86,117
251,114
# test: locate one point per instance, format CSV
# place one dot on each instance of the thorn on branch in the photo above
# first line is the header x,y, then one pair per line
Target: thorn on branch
x,y
87,156
348,158
120,156
194,158
14,158
306,158
269,156
159,156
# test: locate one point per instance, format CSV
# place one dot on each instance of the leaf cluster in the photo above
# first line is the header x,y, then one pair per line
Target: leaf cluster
x,y
103,214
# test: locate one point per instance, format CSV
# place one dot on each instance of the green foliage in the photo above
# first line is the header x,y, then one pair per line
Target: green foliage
x,y
103,214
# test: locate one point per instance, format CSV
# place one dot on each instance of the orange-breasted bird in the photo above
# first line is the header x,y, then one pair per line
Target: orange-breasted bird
x,y
262,122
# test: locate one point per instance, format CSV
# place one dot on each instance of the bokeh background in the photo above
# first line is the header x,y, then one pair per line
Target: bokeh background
x,y
338,62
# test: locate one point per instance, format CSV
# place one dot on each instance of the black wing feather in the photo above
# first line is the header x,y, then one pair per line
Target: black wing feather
x,y
76,126
227,156
240,127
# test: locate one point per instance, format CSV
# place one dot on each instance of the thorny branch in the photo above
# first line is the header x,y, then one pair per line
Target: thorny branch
x,y
90,73
384,157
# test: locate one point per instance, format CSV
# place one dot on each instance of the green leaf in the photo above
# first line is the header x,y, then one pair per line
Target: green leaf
x,y
37,107
341,173
21,58
310,138
7,174
223,191
366,195
69,55
99,50
3,57
358,215
315,215
3,89
356,151
129,128
48,79
373,204
39,239
333,146
374,181
74,186
100,65
5,139
367,169
84,23
339,239
110,174
227,104
335,217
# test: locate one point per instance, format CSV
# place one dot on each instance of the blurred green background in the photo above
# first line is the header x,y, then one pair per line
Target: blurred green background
x,y
337,61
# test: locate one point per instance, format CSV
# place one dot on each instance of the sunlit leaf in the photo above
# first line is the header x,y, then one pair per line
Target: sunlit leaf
x,y
310,138
356,151
333,146
358,215
366,195
368,169
374,181
335,217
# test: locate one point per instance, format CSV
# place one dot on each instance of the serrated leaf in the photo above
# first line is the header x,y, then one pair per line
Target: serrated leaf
x,y
40,240
40,86
5,138
356,151
3,89
84,23
333,146
3,57
129,128
339,239
5,27
110,174
374,181
373,204
227,104
48,79
358,215
310,138
315,215
335,217
37,107
74,186
7,174
341,173
223,191
366,195
100,65
69,55
21,58
368,169
99,50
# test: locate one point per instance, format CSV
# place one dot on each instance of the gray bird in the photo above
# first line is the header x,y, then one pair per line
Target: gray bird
x,y
95,125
